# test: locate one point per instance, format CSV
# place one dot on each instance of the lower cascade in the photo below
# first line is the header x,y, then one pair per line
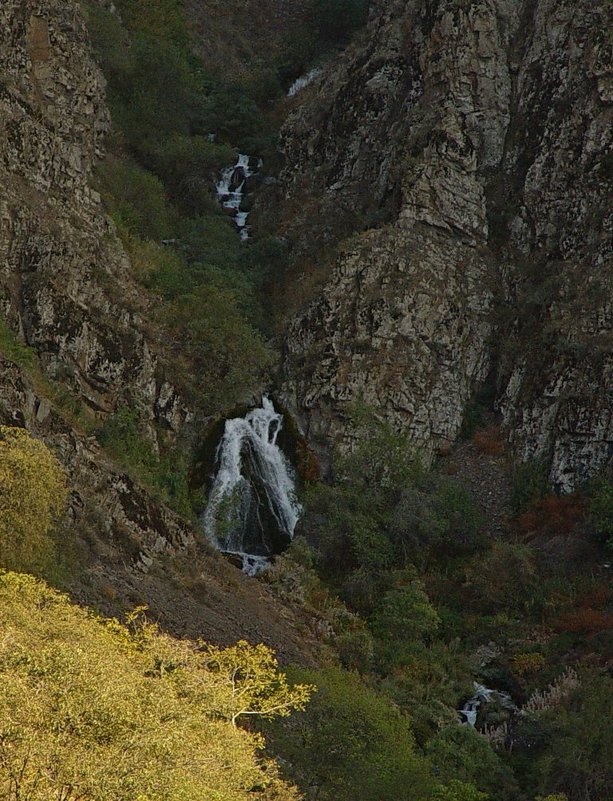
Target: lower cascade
x,y
484,695
252,508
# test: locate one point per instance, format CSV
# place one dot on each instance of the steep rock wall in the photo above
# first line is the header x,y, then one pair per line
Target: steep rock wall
x,y
65,282
66,290
474,136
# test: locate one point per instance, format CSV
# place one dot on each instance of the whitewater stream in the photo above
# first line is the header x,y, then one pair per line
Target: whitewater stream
x,y
252,508
484,695
304,80
232,187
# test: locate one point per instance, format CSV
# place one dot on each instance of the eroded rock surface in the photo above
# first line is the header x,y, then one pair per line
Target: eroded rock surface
x,y
474,137
66,288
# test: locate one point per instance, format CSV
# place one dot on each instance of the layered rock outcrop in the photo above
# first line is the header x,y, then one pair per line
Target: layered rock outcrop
x,y
474,138
66,289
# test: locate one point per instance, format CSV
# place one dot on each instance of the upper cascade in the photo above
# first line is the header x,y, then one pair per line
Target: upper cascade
x,y
252,509
232,187
303,81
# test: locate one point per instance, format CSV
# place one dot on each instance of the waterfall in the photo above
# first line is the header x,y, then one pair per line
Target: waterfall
x,y
232,186
252,508
303,81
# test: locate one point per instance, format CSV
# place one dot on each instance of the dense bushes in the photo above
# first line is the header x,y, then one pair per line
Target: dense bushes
x,y
90,709
136,197
385,512
227,355
350,743
577,758
404,548
33,494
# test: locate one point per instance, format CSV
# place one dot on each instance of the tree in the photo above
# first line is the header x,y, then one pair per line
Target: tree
x,y
460,754
458,791
93,711
350,743
225,351
32,496
253,685
404,614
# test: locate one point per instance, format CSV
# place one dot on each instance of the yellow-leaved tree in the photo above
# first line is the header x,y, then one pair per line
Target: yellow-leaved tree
x,y
91,710
33,494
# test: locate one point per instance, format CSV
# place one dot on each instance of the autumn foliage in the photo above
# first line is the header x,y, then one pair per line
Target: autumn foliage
x,y
557,514
91,710
32,496
489,441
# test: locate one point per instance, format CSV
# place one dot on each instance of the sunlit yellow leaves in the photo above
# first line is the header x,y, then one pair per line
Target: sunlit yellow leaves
x,y
90,710
32,495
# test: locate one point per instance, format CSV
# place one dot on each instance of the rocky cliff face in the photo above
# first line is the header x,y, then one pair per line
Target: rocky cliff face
x,y
472,139
76,344
65,284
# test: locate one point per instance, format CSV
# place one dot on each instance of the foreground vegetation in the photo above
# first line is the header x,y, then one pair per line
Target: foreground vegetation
x,y
91,709
417,602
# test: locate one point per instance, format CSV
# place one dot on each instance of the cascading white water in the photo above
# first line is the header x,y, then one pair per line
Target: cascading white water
x,y
253,490
303,81
483,695
231,189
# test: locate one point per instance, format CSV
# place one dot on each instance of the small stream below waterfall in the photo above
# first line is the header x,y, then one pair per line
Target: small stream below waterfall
x,y
252,508
232,187
484,695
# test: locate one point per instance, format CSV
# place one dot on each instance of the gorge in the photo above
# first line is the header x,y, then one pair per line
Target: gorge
x,y
306,349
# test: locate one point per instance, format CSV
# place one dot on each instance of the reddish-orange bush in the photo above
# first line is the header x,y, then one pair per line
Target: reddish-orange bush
x,y
489,440
596,598
555,514
585,621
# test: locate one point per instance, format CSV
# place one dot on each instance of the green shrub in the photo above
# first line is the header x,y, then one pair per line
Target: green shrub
x,y
159,267
163,19
355,649
530,484
211,242
504,578
460,753
122,436
229,357
137,198
350,743
404,614
14,350
458,791
111,44
188,167
578,760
